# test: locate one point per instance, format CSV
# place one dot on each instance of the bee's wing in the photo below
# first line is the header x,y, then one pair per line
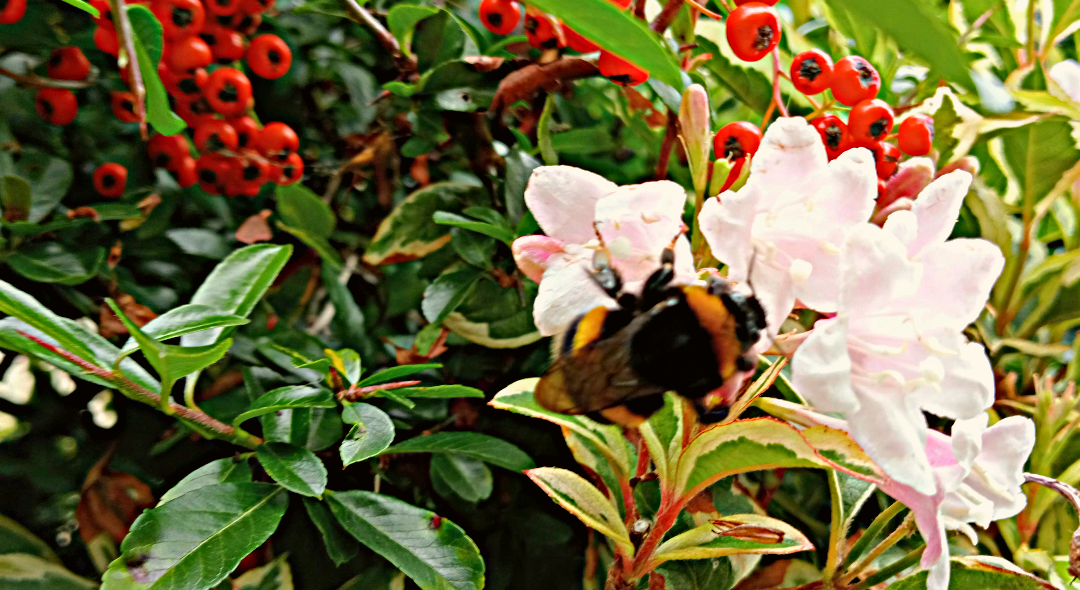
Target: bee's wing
x,y
593,378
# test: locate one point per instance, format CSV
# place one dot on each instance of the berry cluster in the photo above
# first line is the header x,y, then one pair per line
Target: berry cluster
x,y
853,82
545,32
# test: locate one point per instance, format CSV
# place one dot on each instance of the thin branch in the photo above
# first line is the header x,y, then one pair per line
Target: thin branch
x,y
639,9
126,36
667,16
38,82
355,393
526,82
1073,496
776,83
141,394
905,529
978,23
406,64
700,8
670,135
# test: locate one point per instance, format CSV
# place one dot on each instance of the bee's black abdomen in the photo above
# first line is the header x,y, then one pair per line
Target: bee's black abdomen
x,y
671,349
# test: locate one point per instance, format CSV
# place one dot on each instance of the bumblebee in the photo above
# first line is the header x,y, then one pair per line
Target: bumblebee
x,y
616,364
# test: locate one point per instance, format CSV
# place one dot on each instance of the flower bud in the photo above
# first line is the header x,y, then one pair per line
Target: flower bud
x,y
696,132
910,178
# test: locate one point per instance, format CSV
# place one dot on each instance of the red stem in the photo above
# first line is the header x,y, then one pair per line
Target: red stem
x,y
776,83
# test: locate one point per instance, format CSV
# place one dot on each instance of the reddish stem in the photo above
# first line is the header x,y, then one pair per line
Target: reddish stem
x,y
354,393
776,83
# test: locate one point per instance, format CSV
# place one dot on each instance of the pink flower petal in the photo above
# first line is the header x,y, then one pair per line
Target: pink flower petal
x,y
563,199
566,291
790,159
910,179
958,276
937,209
531,253
638,222
821,368
892,431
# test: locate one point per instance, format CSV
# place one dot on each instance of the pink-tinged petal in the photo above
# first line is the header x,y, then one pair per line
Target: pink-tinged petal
x,y
791,158
892,431
968,385
876,271
968,163
566,291
1006,446
910,179
881,218
775,291
638,222
531,253
936,557
726,222
957,278
849,197
696,131
937,209
563,199
821,368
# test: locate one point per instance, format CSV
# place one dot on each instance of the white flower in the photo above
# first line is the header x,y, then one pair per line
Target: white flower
x,y
636,222
896,347
782,231
1067,75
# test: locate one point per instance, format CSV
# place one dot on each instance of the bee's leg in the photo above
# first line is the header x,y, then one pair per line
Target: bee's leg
x,y
607,277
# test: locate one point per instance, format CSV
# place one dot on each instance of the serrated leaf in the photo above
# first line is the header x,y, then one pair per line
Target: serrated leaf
x,y
470,444
733,535
282,398
197,539
580,498
227,470
295,468
372,433
433,551
340,546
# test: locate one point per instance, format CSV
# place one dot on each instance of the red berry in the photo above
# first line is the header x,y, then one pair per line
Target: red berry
x,y
278,141
12,11
543,30
228,91
253,7
886,157
834,134
753,30
247,131
917,135
109,179
168,151
214,136
67,63
214,172
105,40
123,106
56,106
179,18
186,173
269,57
226,45
289,172
881,187
578,43
737,140
870,120
187,84
246,24
222,7
811,71
500,16
254,172
854,80
620,71
189,54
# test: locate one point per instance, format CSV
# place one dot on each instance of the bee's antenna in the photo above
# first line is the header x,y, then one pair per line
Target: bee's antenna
x,y
603,273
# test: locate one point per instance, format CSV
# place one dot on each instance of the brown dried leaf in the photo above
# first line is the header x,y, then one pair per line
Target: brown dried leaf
x,y
81,212
255,228
110,502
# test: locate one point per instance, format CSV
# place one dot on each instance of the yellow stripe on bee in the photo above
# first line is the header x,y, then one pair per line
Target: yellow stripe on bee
x,y
590,327
719,323
623,417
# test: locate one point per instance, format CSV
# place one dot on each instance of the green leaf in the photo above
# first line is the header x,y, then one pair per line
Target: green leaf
x,y
402,20
198,241
300,208
617,31
237,284
608,439
276,575
519,167
282,398
580,498
340,546
543,132
197,539
918,30
437,40
50,179
1039,155
51,262
447,292
346,362
396,373
372,433
147,38
16,198
317,243
978,572
747,84
84,6
734,535
22,571
1066,13
500,233
227,470
486,448
440,391
409,232
434,552
315,429
15,538
295,468
699,574
467,478
349,324
186,319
